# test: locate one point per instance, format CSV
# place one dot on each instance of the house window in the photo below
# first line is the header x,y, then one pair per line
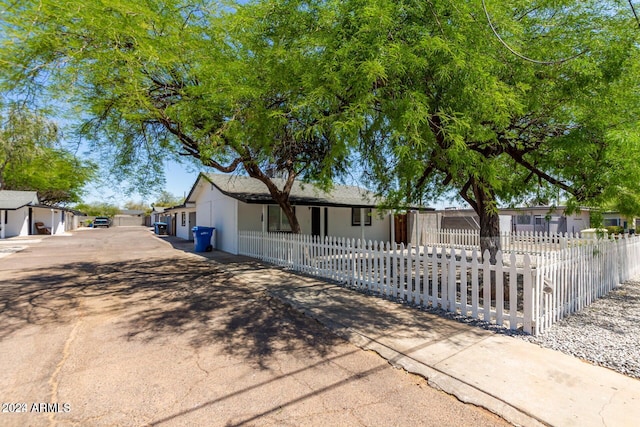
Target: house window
x,y
184,219
523,219
611,222
277,220
355,216
539,220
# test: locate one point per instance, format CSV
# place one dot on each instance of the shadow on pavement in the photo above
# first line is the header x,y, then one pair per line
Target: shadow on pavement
x,y
155,299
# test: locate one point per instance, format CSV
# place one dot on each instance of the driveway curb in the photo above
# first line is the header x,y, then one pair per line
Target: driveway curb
x,y
436,379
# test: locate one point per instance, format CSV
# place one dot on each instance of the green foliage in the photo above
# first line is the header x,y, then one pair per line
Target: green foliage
x,y
98,209
454,109
242,86
167,200
138,206
434,100
250,87
615,229
55,174
24,135
31,158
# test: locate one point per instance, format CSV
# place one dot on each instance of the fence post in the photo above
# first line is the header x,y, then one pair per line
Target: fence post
x,y
475,291
463,282
486,286
513,292
417,295
452,280
499,288
403,263
528,295
444,280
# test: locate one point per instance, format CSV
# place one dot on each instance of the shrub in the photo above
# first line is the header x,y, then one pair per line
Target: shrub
x,y
615,229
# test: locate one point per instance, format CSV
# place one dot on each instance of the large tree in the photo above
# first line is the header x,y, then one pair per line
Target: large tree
x,y
32,158
240,87
24,135
499,100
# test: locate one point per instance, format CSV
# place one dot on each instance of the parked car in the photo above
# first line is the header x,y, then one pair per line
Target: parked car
x,y
101,221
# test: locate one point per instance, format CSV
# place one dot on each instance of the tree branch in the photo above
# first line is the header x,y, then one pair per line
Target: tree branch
x,y
518,157
463,193
193,150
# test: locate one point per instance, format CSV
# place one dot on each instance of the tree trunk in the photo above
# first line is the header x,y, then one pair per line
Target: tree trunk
x,y
489,233
485,205
280,196
288,210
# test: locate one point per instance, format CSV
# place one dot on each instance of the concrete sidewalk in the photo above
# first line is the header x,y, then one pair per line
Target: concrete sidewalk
x,y
522,382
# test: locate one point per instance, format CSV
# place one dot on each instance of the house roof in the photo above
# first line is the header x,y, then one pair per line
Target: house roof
x,y
251,190
185,205
12,200
131,212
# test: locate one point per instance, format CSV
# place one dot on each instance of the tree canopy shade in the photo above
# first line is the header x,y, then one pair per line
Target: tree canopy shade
x,y
31,158
234,87
493,100
455,109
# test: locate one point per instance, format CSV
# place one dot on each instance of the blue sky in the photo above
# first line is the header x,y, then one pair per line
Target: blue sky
x,y
179,180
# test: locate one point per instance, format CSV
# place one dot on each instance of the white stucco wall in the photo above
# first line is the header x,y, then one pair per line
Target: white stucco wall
x,y
214,209
43,216
578,221
51,218
183,231
17,223
228,216
339,225
249,217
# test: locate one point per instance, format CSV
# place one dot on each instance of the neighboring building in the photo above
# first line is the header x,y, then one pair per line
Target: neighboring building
x,y
232,203
20,211
16,212
129,217
544,219
548,219
615,219
157,214
58,219
180,220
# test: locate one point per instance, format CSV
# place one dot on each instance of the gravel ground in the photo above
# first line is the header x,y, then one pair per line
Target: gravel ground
x,y
607,333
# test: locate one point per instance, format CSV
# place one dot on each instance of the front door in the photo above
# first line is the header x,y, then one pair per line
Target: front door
x,y
30,221
191,224
400,226
315,221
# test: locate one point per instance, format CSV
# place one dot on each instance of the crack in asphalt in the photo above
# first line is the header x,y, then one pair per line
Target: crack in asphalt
x,y
54,380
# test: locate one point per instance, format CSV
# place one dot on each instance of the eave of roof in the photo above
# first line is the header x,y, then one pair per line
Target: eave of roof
x,y
13,200
252,191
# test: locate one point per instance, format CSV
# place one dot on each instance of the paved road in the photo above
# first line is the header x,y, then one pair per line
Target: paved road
x,y
118,327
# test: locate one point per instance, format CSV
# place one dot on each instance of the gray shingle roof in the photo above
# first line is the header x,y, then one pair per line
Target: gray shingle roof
x,y
250,190
12,200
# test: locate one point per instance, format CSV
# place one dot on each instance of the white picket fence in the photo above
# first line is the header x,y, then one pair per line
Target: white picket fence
x,y
521,241
569,280
518,291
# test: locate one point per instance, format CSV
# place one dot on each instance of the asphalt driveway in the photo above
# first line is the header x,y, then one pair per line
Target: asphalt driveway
x,y
119,327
